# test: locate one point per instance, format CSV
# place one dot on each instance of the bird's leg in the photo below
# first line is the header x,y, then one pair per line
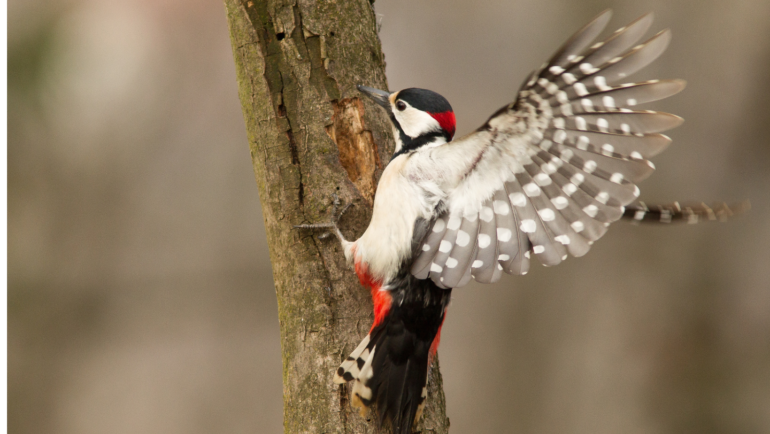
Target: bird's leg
x,y
332,223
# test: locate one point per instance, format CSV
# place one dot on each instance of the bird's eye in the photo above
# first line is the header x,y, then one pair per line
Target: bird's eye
x,y
401,106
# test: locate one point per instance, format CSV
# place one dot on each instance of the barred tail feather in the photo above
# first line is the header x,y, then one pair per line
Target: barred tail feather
x,y
687,213
389,368
391,372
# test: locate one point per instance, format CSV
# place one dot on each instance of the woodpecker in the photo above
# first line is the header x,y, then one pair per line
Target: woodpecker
x,y
545,175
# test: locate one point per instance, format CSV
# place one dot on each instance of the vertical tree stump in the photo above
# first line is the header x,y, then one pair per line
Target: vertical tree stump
x,y
310,136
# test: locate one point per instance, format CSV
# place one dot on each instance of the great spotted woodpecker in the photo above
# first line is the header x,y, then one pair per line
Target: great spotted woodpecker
x,y
545,174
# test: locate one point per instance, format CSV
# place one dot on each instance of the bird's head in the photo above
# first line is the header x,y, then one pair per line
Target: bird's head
x,y
420,117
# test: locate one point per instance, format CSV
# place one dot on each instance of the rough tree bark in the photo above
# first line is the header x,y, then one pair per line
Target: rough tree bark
x,y
310,136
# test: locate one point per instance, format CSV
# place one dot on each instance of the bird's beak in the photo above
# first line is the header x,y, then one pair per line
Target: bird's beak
x,y
378,96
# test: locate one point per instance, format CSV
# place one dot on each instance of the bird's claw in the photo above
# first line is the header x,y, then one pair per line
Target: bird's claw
x,y
332,224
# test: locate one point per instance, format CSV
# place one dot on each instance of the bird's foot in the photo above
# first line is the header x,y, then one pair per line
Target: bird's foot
x,y
332,223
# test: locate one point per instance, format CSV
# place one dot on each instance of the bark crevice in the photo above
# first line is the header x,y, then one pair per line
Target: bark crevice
x,y
358,151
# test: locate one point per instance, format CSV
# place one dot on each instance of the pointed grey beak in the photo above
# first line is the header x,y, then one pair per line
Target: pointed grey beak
x,y
378,96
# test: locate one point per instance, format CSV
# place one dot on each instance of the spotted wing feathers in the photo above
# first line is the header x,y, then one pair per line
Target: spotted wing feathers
x,y
564,159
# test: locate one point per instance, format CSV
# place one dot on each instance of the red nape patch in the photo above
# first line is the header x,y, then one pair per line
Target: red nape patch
x,y
382,299
447,121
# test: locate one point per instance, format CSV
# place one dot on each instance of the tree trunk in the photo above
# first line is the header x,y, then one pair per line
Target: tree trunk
x,y
310,136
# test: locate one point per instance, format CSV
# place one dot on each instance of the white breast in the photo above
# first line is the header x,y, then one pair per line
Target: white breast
x,y
406,192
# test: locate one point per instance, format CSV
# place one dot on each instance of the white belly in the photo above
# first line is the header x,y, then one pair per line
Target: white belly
x,y
404,194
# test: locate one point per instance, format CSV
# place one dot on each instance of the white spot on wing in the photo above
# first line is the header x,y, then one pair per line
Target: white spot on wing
x,y
569,189
578,226
532,190
587,68
542,179
547,214
453,223
528,226
548,168
463,238
504,234
625,128
601,82
560,202
501,207
451,262
518,199
583,142
484,240
577,179
603,197
591,210
580,123
556,70
602,124
486,214
538,249
477,264
445,246
435,267
439,225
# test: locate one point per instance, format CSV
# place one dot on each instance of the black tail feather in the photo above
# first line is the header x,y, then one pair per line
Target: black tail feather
x,y
398,391
389,369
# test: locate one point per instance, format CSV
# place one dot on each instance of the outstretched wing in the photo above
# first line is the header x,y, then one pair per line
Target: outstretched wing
x,y
553,169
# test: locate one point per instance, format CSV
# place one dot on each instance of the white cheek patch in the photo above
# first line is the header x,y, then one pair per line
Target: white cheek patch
x,y
415,122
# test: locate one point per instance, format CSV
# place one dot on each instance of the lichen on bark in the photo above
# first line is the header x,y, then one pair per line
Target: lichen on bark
x,y
297,65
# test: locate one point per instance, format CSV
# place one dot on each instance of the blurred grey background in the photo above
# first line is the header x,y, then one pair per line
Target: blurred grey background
x,y
140,290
